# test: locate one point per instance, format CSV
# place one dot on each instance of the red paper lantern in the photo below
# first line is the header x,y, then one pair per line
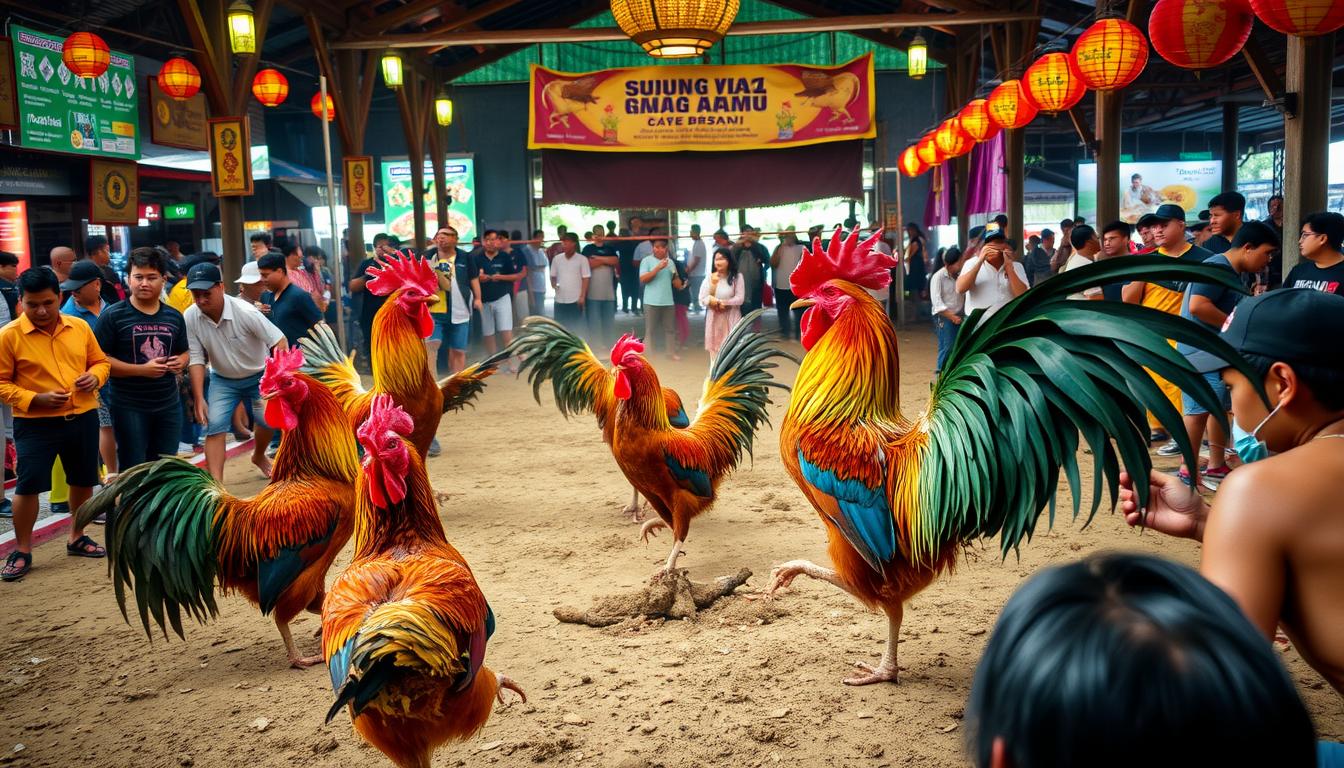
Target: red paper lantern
x,y
1009,106
910,163
271,88
1198,34
85,54
974,120
951,140
316,106
1305,18
1110,54
1053,83
928,153
179,78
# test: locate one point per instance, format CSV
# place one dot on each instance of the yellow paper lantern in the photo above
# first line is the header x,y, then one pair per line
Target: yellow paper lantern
x,y
671,29
909,162
1053,83
443,110
392,71
1110,54
952,141
1009,107
974,120
927,150
86,55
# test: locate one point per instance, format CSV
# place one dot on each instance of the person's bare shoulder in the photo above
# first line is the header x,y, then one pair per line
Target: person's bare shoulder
x,y
1258,499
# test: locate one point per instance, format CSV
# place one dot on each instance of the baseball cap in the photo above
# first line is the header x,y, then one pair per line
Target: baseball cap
x,y
992,233
975,232
81,274
1290,325
250,274
1169,212
203,277
1147,220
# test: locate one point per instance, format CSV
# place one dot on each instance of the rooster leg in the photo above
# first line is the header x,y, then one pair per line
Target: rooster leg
x,y
506,683
783,575
671,564
633,508
295,660
886,669
650,528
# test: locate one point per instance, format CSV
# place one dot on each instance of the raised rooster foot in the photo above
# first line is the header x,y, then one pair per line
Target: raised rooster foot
x,y
505,682
882,673
304,662
634,512
650,529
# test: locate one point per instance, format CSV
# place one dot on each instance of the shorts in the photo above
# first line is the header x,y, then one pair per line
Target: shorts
x,y
1191,408
497,315
441,322
104,413
459,335
38,441
223,398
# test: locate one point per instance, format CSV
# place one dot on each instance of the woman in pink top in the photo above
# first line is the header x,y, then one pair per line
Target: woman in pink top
x,y
721,296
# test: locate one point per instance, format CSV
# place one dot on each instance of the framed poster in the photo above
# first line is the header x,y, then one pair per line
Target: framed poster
x,y
357,177
114,192
14,231
230,157
398,202
176,123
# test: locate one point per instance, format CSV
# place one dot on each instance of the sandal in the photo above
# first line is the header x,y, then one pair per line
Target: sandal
x,y
85,547
13,571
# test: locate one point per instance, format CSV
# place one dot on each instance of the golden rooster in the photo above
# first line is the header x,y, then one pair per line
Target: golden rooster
x,y
404,628
398,354
172,530
900,497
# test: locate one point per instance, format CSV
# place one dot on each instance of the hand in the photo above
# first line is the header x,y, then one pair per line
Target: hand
x,y
174,363
154,368
582,301
86,382
265,308
1174,508
955,319
50,399
479,305
202,413
662,264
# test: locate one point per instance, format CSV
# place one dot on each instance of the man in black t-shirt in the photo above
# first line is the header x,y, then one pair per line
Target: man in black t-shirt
x,y
145,340
97,250
383,248
1226,212
291,308
500,272
1322,268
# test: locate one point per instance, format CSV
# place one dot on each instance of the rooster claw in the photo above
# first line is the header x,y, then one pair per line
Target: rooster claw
x,y
635,513
883,673
304,662
650,529
506,682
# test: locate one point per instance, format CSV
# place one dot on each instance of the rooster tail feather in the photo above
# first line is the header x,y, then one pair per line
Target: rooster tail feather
x,y
324,361
461,389
162,532
740,379
550,352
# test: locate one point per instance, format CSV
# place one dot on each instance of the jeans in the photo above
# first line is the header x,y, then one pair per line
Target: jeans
x,y
696,282
569,315
191,431
538,302
223,398
631,290
789,319
658,321
683,324
946,330
601,318
145,435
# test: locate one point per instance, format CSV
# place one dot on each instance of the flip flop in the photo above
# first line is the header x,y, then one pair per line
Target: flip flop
x,y
80,548
13,571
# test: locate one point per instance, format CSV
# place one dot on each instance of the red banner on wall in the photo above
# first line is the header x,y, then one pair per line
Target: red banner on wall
x,y
14,231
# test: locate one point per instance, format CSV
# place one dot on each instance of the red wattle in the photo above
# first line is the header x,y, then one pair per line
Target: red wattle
x,y
424,322
622,389
814,325
278,414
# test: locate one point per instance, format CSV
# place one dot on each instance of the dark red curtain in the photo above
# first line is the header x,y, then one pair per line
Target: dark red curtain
x,y
691,180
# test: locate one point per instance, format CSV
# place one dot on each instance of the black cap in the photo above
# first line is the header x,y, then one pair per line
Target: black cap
x,y
975,232
203,277
993,232
1199,226
1290,325
1147,220
81,274
1169,212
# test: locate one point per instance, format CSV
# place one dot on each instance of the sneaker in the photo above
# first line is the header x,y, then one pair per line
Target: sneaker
x,y
1169,449
1158,436
185,450
1212,478
434,449
270,451
60,508
6,508
1184,476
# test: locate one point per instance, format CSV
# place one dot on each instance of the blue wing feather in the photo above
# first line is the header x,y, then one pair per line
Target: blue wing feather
x,y
694,480
866,519
338,666
680,420
275,574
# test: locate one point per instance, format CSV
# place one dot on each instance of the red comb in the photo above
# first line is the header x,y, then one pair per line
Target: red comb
x,y
624,346
848,259
400,272
384,416
282,362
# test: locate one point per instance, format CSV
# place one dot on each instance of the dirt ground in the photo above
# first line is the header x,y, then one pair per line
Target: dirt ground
x,y
534,506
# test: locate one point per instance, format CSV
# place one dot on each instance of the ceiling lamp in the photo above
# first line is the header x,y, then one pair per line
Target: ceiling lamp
x,y
1305,18
952,141
443,110
86,55
1009,106
242,28
917,57
670,29
1053,83
316,106
270,87
974,120
392,72
1198,34
1110,54
927,151
179,78
909,162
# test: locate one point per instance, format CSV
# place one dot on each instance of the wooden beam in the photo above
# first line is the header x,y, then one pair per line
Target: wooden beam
x,y
325,12
211,63
1136,7
1306,134
469,17
384,22
880,36
1083,130
247,65
1264,72
413,100
335,88
581,13
1107,154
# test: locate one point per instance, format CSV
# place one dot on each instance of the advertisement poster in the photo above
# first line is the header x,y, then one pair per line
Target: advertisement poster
x,y
14,231
174,123
114,192
9,108
460,178
357,177
701,107
65,113
230,157
1144,186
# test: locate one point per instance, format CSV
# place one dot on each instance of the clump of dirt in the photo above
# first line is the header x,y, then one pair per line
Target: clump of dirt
x,y
674,596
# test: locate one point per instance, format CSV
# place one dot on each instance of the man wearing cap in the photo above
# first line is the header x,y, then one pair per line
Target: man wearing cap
x,y
85,287
1274,537
249,284
992,277
235,339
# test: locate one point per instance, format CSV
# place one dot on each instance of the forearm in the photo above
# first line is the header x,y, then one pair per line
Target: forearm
x,y
583,289
198,382
101,371
1132,293
647,277
14,395
1015,283
120,369
1207,311
476,289
966,280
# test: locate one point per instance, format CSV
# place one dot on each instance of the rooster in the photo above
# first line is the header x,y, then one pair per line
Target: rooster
x,y
172,530
900,496
404,628
677,470
398,354
581,383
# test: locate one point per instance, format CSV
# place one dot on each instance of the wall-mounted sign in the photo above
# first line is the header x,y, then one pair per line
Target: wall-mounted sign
x,y
114,192
150,212
14,231
179,211
9,107
357,178
20,177
174,123
62,112
399,201
230,157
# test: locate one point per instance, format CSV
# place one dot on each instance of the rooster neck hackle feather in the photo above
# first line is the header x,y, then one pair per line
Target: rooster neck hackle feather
x,y
405,526
321,446
851,374
397,352
645,407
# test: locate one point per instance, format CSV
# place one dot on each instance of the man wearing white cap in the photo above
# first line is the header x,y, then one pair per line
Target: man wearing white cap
x,y
249,285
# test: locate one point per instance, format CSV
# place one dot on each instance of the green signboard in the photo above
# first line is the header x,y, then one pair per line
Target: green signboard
x,y
460,179
64,113
178,211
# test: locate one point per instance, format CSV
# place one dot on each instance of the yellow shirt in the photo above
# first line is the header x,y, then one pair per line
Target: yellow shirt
x,y
442,306
179,297
1160,298
33,361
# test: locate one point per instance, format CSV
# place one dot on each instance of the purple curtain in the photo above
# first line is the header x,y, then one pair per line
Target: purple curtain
x,y
938,209
987,193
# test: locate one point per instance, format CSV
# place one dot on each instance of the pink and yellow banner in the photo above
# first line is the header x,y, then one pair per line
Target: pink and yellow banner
x,y
701,107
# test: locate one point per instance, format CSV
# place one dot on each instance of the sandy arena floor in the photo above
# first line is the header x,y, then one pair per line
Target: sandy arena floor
x,y
534,506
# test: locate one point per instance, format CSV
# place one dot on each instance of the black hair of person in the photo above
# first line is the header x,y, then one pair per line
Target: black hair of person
x,y
1080,235
951,256
261,237
1122,227
93,243
272,261
1325,384
381,237
8,259
1254,234
147,258
570,237
39,279
1327,223
1233,202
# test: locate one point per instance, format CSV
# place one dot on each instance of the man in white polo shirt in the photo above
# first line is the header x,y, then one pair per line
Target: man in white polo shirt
x,y
570,275
235,339
992,277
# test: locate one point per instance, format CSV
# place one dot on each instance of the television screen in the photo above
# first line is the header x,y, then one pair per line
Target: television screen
x,y
1144,186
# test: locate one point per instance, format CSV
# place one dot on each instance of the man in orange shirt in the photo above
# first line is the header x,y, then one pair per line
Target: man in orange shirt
x,y
50,370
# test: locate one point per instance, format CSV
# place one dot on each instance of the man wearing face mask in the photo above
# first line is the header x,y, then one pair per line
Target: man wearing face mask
x,y
1274,537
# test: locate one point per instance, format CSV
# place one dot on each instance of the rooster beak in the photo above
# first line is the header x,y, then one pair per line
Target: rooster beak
x,y
803,304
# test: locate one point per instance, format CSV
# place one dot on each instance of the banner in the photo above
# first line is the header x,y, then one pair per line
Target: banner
x,y
1144,186
398,201
114,192
65,113
9,107
230,157
174,123
700,107
14,231
357,177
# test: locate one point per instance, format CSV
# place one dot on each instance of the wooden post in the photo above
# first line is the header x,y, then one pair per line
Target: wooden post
x,y
1231,133
1306,135
1109,107
414,112
436,157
